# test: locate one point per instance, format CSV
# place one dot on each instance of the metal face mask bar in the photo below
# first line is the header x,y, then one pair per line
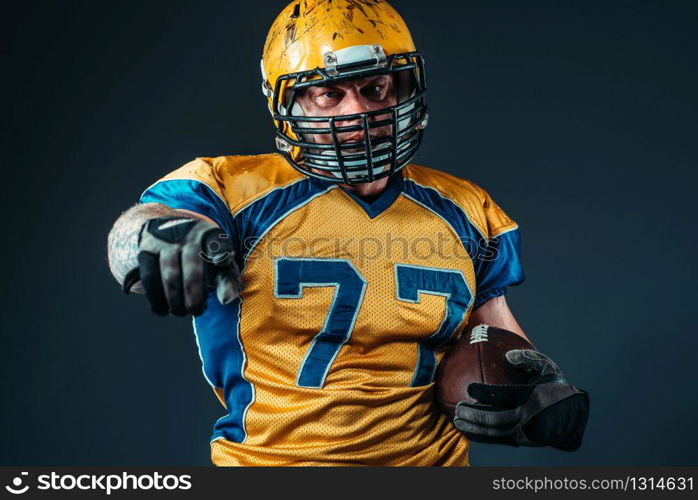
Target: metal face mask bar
x,y
375,156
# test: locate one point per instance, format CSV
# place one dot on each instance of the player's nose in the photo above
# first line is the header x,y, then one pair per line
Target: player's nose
x,y
354,104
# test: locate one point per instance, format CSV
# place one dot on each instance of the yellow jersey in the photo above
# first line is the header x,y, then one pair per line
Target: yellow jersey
x,y
328,356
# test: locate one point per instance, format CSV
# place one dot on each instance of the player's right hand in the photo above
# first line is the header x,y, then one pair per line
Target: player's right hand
x,y
179,260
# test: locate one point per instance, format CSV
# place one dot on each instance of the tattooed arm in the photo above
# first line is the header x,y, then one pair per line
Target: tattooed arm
x,y
122,245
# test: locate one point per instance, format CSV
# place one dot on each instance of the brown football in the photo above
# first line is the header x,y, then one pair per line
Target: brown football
x,y
477,357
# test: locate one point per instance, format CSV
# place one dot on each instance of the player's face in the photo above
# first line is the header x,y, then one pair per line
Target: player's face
x,y
346,98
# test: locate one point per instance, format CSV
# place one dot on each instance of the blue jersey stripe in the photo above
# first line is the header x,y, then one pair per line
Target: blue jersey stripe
x,y
187,194
495,261
449,211
254,221
499,266
218,337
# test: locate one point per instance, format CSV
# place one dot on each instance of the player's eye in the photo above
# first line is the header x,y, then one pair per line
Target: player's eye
x,y
328,97
374,92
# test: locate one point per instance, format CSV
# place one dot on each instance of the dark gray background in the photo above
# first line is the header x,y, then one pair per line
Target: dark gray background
x,y
578,117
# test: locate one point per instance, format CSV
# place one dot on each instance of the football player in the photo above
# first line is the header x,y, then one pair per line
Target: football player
x,y
327,280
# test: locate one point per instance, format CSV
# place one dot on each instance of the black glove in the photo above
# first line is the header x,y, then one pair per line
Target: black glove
x,y
544,411
179,260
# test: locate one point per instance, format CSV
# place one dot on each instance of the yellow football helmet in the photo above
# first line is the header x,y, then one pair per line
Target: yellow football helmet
x,y
318,42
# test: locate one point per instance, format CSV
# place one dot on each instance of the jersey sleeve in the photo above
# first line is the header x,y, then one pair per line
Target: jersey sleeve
x,y
498,261
194,187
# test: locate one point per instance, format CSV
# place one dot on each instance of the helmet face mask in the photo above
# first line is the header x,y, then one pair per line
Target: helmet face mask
x,y
345,148
376,156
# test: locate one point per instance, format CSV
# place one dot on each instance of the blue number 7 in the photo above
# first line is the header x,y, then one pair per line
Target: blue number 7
x,y
413,280
292,275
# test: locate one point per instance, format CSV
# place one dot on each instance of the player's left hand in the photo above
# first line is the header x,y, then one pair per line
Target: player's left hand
x,y
544,411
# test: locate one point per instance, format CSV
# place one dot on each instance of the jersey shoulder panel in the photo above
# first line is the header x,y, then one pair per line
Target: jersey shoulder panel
x,y
244,179
238,179
478,205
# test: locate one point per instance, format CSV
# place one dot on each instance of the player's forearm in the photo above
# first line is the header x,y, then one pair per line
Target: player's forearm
x,y
122,244
495,312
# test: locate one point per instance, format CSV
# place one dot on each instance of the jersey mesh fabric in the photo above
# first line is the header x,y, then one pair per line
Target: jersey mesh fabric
x,y
366,412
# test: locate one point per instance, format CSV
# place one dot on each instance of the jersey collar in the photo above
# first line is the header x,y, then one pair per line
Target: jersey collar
x,y
383,202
